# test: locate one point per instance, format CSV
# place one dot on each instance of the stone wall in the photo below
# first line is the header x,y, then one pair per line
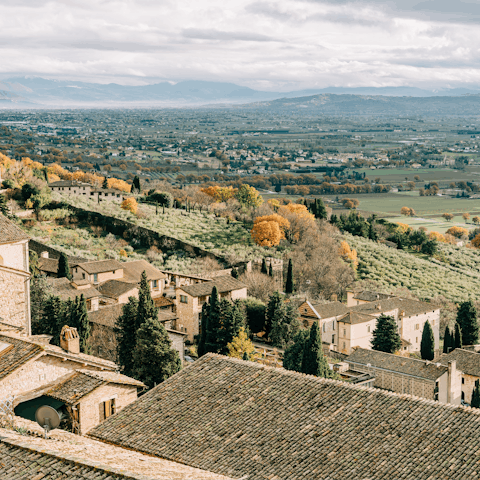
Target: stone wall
x,y
14,299
14,255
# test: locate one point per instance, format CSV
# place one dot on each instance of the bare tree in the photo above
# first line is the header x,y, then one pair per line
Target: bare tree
x,y
259,285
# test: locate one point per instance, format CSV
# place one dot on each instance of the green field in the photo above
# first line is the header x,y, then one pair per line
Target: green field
x,y
434,223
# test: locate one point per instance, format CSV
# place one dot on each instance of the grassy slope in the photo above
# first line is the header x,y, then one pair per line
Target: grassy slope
x,y
457,280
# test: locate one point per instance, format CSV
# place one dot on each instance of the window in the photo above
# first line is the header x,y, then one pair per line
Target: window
x,y
183,299
368,329
323,327
463,396
113,272
417,326
333,338
155,283
306,310
106,409
95,277
416,339
344,345
83,276
344,332
463,381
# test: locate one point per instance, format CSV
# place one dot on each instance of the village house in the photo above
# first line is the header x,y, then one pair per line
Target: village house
x,y
190,300
68,187
14,276
322,428
411,376
35,373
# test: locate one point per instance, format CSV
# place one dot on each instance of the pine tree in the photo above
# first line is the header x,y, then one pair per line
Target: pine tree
x,y
447,340
427,345
105,183
275,303
372,234
204,327
385,336
293,356
146,307
458,336
4,210
213,335
320,210
153,358
126,334
83,324
476,395
233,321
234,272
289,284
53,318
264,267
136,184
270,270
467,320
313,361
64,267
285,325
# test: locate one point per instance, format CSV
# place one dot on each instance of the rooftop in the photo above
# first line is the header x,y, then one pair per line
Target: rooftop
x,y
467,361
15,352
64,289
328,310
396,363
9,232
410,307
115,288
106,316
367,296
353,318
101,266
244,419
224,284
132,271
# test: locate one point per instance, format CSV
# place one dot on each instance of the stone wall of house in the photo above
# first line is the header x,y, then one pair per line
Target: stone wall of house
x,y
37,374
14,255
124,298
14,299
468,384
90,404
412,328
188,315
178,344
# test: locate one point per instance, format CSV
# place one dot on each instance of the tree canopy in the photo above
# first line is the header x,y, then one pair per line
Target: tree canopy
x,y
385,336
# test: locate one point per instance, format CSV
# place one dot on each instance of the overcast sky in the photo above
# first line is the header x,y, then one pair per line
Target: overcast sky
x,y
267,45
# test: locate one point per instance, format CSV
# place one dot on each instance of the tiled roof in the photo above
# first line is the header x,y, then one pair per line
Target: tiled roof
x,y
49,265
223,284
468,362
9,232
82,358
163,302
13,358
355,318
367,296
116,288
101,266
19,461
132,271
410,307
244,419
112,377
63,288
72,389
106,316
331,309
68,183
396,363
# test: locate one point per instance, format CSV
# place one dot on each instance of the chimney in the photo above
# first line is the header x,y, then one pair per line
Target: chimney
x,y
44,254
452,373
69,339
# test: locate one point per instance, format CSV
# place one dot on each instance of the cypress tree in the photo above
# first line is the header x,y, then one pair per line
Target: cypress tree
x,y
313,361
270,270
320,210
146,307
427,345
372,234
467,320
203,334
447,340
385,336
136,184
105,183
285,325
289,283
64,267
293,356
53,318
264,267
213,341
4,210
153,358
275,304
83,324
458,336
126,334
234,272
476,395
233,321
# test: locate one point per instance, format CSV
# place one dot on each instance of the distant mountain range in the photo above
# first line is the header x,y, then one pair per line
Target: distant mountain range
x,y
40,92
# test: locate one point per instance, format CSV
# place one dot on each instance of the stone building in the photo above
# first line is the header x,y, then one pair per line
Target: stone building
x,y
14,277
468,363
68,187
190,300
411,376
355,298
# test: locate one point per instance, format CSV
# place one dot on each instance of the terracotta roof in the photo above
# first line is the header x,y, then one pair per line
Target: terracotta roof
x,y
468,362
116,288
112,377
223,284
355,318
101,266
72,389
328,310
244,419
82,358
19,461
164,316
49,265
163,302
410,307
63,288
68,183
367,296
16,356
9,232
132,271
106,316
396,363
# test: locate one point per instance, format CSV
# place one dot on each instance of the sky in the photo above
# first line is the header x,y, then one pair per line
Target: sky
x,y
268,45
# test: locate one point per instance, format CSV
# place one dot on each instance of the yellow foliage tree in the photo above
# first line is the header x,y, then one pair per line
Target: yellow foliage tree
x,y
118,184
274,203
437,236
220,194
267,234
403,227
301,220
241,346
457,232
130,204
476,241
283,223
348,254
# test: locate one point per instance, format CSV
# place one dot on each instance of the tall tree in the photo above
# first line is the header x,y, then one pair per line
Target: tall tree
x,y
476,395
83,324
153,358
427,345
233,320
458,336
289,283
234,272
136,184
270,270
467,319
313,361
64,267
285,325
447,343
275,304
293,356
320,210
40,291
146,307
126,335
203,333
213,338
264,267
385,336
4,210
53,318
241,346
105,183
